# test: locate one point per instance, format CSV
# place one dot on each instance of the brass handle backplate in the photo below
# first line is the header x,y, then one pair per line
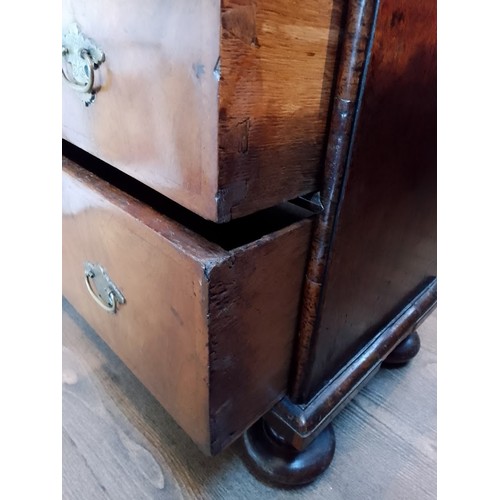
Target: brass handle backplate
x,y
104,292
81,57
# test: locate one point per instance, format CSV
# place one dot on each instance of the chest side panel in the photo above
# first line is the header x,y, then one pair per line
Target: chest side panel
x,y
384,249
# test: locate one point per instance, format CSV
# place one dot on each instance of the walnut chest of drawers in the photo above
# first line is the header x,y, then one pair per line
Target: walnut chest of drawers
x,y
249,206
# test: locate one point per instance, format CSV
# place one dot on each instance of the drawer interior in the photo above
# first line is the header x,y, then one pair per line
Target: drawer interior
x,y
231,235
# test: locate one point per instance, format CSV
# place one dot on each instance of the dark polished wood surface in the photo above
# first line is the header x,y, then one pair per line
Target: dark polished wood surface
x,y
358,28
275,460
404,352
384,243
300,424
208,331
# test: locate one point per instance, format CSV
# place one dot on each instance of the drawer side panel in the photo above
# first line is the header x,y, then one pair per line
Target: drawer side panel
x,y
254,302
277,60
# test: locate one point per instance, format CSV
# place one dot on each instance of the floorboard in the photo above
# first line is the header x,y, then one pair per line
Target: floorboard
x,y
119,443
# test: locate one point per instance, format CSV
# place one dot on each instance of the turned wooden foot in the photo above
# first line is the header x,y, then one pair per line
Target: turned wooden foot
x,y
274,460
405,351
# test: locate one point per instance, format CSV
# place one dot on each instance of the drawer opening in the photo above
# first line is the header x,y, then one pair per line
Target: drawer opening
x,y
230,235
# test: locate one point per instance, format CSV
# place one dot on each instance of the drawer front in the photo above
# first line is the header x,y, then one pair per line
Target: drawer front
x,y
208,331
220,106
155,110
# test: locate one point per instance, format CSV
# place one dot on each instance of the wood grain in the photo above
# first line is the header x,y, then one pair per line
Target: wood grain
x,y
197,320
352,60
277,60
384,242
299,424
102,226
119,443
254,303
155,113
220,106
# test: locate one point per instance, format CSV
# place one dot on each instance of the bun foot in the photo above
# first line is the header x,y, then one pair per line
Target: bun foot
x,y
405,351
273,460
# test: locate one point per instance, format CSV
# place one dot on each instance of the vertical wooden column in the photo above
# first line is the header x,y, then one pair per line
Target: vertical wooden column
x,y
360,21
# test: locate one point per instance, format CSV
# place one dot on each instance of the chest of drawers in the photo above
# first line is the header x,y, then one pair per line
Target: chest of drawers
x,y
251,227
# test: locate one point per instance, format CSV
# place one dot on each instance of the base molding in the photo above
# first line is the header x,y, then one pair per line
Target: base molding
x,y
300,424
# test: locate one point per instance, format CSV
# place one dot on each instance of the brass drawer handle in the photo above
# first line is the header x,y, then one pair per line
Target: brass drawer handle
x,y
81,57
107,294
89,70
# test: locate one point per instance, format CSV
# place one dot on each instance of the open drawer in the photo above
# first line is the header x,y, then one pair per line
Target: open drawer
x,y
207,326
219,106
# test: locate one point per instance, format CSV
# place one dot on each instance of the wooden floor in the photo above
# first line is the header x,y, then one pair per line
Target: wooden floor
x,y
119,443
